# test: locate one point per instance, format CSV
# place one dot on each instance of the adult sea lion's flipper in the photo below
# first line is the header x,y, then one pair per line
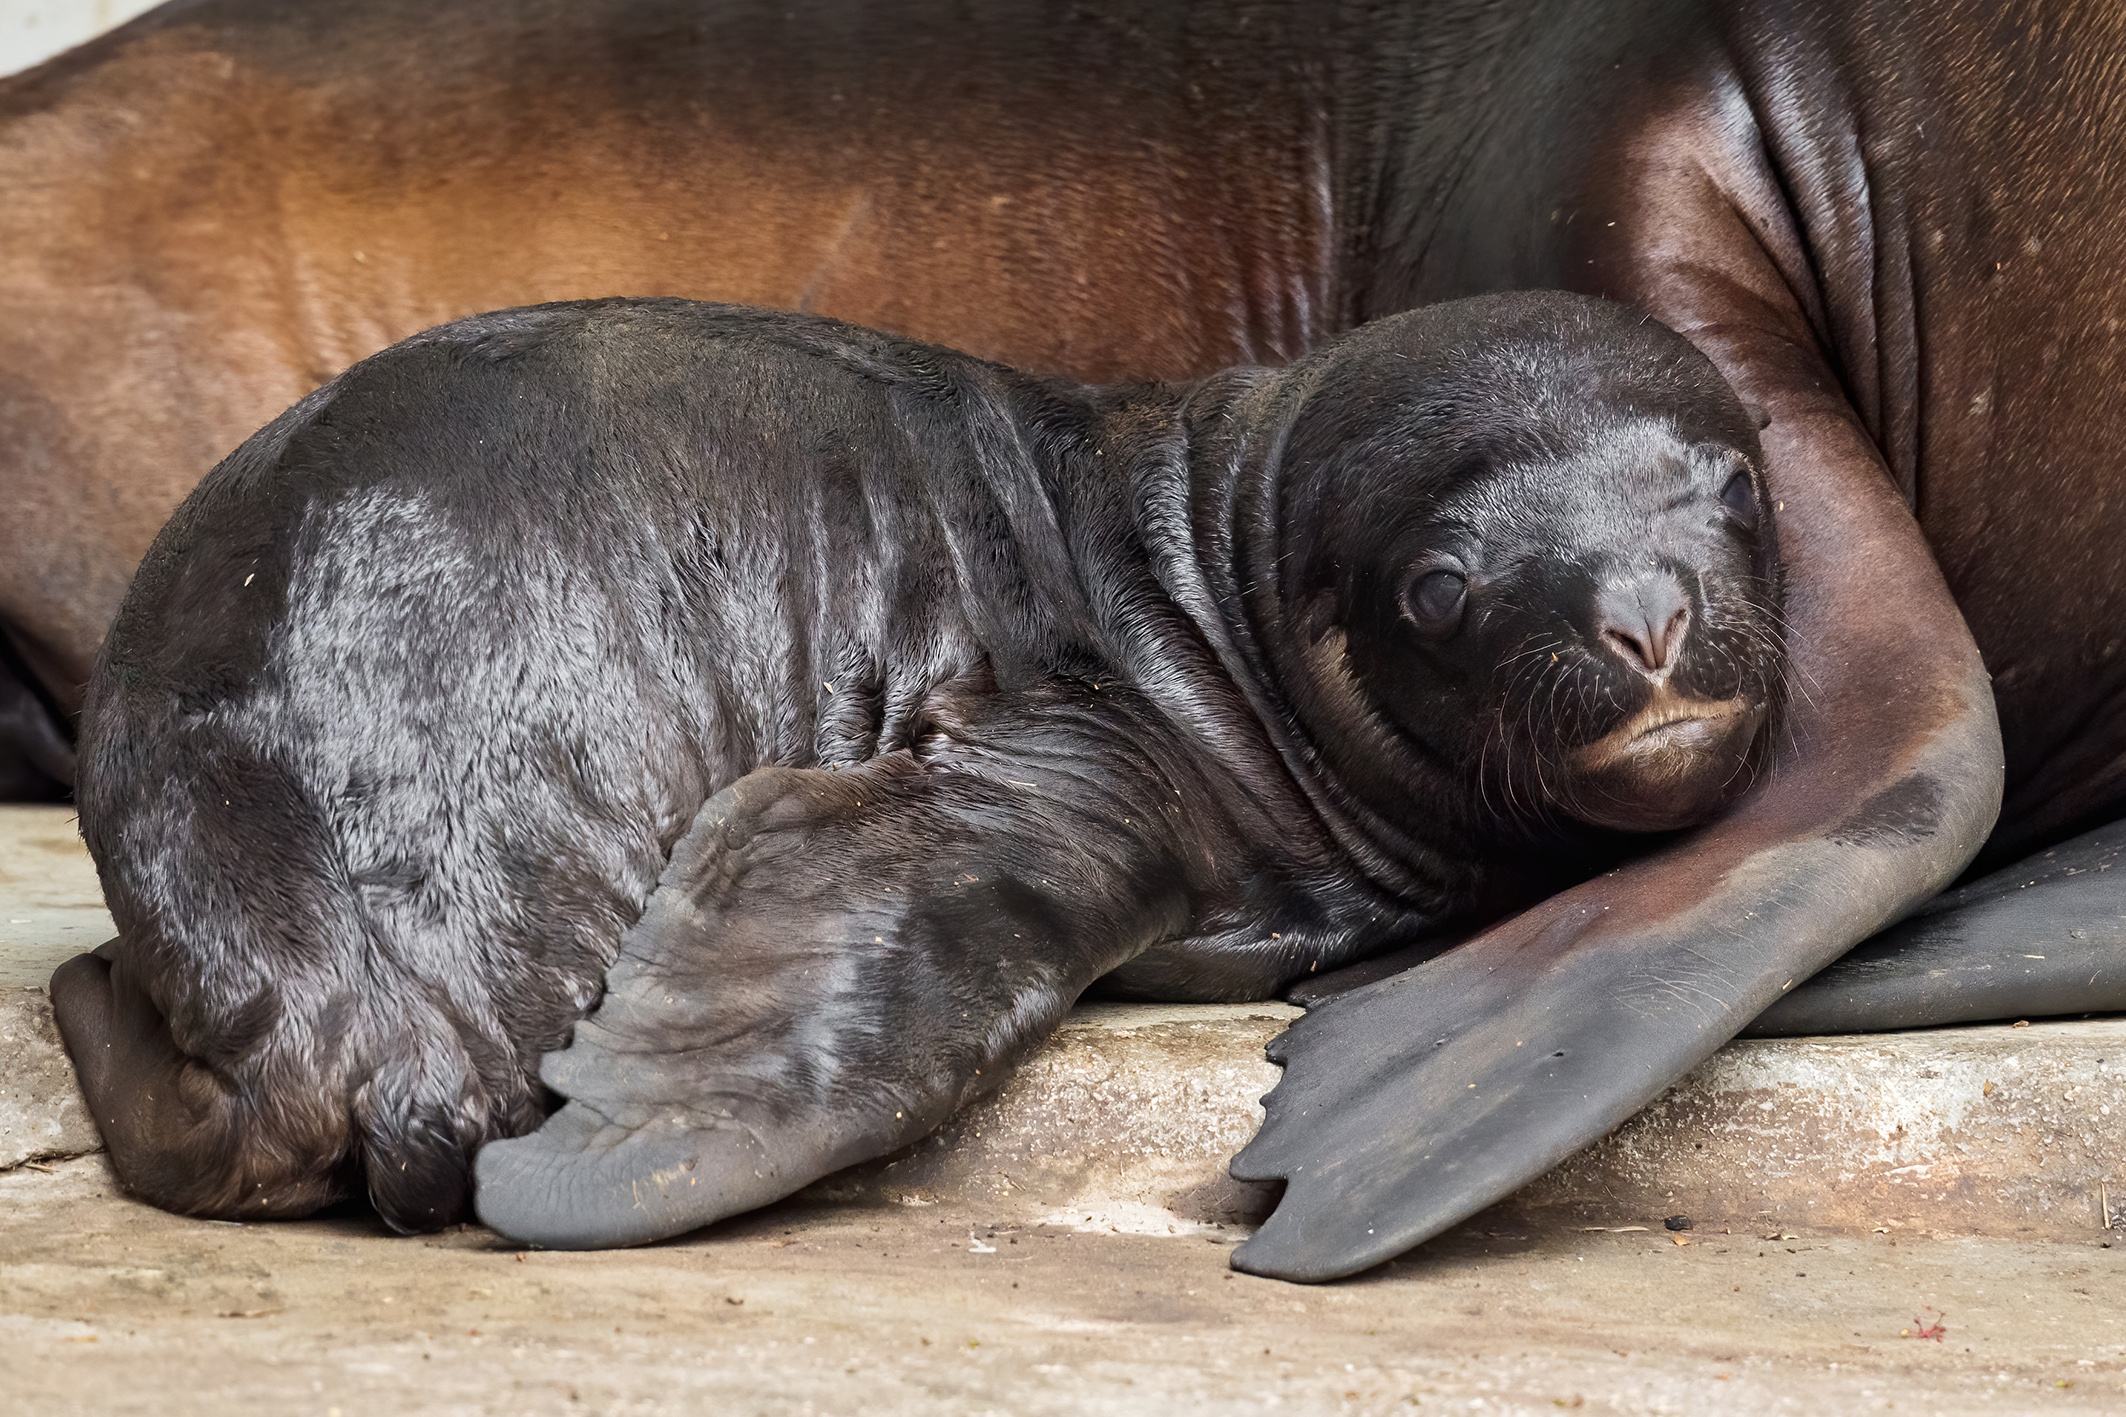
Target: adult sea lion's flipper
x,y
1411,1103
2044,936
833,961
1408,1104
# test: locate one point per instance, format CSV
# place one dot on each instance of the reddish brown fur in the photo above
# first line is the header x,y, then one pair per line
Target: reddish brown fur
x,y
191,241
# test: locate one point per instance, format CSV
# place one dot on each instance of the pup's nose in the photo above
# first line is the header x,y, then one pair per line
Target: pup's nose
x,y
1644,621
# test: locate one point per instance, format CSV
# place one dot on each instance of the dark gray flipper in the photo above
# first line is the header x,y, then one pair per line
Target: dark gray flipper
x,y
831,963
1409,1104
2043,937
657,1109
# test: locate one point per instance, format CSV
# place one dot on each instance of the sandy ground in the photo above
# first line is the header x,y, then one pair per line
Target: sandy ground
x,y
109,1306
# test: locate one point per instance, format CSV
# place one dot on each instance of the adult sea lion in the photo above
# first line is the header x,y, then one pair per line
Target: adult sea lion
x,y
1883,223
934,692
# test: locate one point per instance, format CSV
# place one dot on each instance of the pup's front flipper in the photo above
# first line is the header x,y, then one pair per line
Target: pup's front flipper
x,y
831,962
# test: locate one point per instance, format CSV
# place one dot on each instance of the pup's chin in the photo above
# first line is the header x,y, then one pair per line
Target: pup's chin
x,y
1673,764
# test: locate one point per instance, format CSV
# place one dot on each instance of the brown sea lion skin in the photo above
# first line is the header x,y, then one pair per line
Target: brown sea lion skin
x,y
219,206
1883,223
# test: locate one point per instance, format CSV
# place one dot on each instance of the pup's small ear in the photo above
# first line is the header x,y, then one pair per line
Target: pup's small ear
x,y
1758,416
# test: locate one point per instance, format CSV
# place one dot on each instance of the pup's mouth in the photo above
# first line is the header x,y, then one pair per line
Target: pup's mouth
x,y
1672,764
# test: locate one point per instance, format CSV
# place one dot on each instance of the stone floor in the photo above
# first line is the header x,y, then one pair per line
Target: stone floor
x,y
107,1306
1919,1223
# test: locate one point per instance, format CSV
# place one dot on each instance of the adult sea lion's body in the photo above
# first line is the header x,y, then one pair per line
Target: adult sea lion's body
x,y
992,687
1892,229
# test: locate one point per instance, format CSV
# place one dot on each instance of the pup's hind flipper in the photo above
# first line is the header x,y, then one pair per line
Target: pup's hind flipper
x,y
258,1134
176,1130
123,1058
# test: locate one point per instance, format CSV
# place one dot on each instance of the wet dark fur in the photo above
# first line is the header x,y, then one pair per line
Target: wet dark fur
x,y
414,696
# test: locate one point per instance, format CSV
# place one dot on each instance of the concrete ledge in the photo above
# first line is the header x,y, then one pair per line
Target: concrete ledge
x,y
51,909
42,1116
1127,1119
1992,1130
1126,1122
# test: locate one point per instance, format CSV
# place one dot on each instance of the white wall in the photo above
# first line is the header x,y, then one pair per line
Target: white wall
x,y
34,30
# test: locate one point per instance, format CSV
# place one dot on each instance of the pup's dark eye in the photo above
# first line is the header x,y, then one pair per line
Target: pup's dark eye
x,y
1740,498
1434,599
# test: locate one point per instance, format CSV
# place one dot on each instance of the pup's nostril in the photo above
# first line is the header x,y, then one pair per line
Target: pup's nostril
x,y
1631,647
1645,622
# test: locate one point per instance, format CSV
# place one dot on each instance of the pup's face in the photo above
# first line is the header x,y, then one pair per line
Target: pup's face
x,y
1529,545
1592,633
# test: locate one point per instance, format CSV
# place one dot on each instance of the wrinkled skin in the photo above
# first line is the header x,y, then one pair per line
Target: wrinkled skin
x,y
1883,225
925,694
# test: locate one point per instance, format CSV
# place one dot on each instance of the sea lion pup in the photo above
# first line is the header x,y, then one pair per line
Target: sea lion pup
x,y
843,708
